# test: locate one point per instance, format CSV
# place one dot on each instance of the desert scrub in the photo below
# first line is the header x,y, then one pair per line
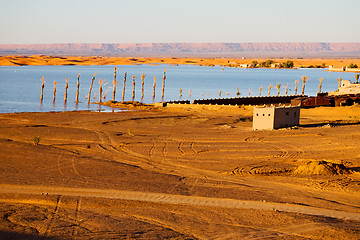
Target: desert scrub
x,y
131,133
35,140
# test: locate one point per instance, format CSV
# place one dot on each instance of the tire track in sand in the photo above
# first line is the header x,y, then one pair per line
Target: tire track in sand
x,y
49,224
175,199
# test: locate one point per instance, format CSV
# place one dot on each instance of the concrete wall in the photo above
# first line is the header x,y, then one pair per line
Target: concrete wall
x,y
286,117
267,118
248,100
263,118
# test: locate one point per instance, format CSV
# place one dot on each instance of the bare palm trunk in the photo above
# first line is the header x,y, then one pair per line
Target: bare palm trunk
x,y
142,86
123,92
54,96
320,82
77,89
133,92
163,86
42,89
269,89
114,84
154,86
296,86
304,80
91,85
278,85
66,88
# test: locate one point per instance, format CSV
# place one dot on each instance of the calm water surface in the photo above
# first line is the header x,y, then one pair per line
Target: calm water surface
x,y
20,85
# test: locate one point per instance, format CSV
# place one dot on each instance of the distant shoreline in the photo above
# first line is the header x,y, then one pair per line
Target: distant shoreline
x,y
293,50
42,60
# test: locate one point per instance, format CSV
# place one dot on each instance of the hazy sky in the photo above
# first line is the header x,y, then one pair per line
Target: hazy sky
x,y
146,21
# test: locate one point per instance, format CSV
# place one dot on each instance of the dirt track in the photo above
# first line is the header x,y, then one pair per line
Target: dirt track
x,y
176,199
177,174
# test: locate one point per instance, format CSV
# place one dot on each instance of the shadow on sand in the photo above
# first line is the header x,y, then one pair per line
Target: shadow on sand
x,y
329,124
7,235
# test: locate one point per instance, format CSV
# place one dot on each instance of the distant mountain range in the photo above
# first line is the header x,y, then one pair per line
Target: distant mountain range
x,y
238,50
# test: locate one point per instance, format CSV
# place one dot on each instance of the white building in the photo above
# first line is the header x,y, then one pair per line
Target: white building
x,y
346,87
268,118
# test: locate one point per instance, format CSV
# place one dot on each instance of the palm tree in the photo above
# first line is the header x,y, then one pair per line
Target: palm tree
x,y
286,89
339,81
304,80
320,81
101,84
269,88
278,85
296,84
357,78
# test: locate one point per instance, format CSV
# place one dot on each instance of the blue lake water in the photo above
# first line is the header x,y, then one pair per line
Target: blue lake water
x,y
20,85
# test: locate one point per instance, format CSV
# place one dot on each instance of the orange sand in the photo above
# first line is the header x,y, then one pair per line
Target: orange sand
x,y
178,174
73,60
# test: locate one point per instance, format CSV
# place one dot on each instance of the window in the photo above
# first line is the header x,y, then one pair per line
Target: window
x,y
294,114
257,114
287,113
269,114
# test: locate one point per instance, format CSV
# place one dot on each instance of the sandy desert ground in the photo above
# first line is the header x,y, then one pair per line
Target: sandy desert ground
x,y
179,174
78,60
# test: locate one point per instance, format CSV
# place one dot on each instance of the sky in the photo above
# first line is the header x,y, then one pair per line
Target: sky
x,y
168,21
